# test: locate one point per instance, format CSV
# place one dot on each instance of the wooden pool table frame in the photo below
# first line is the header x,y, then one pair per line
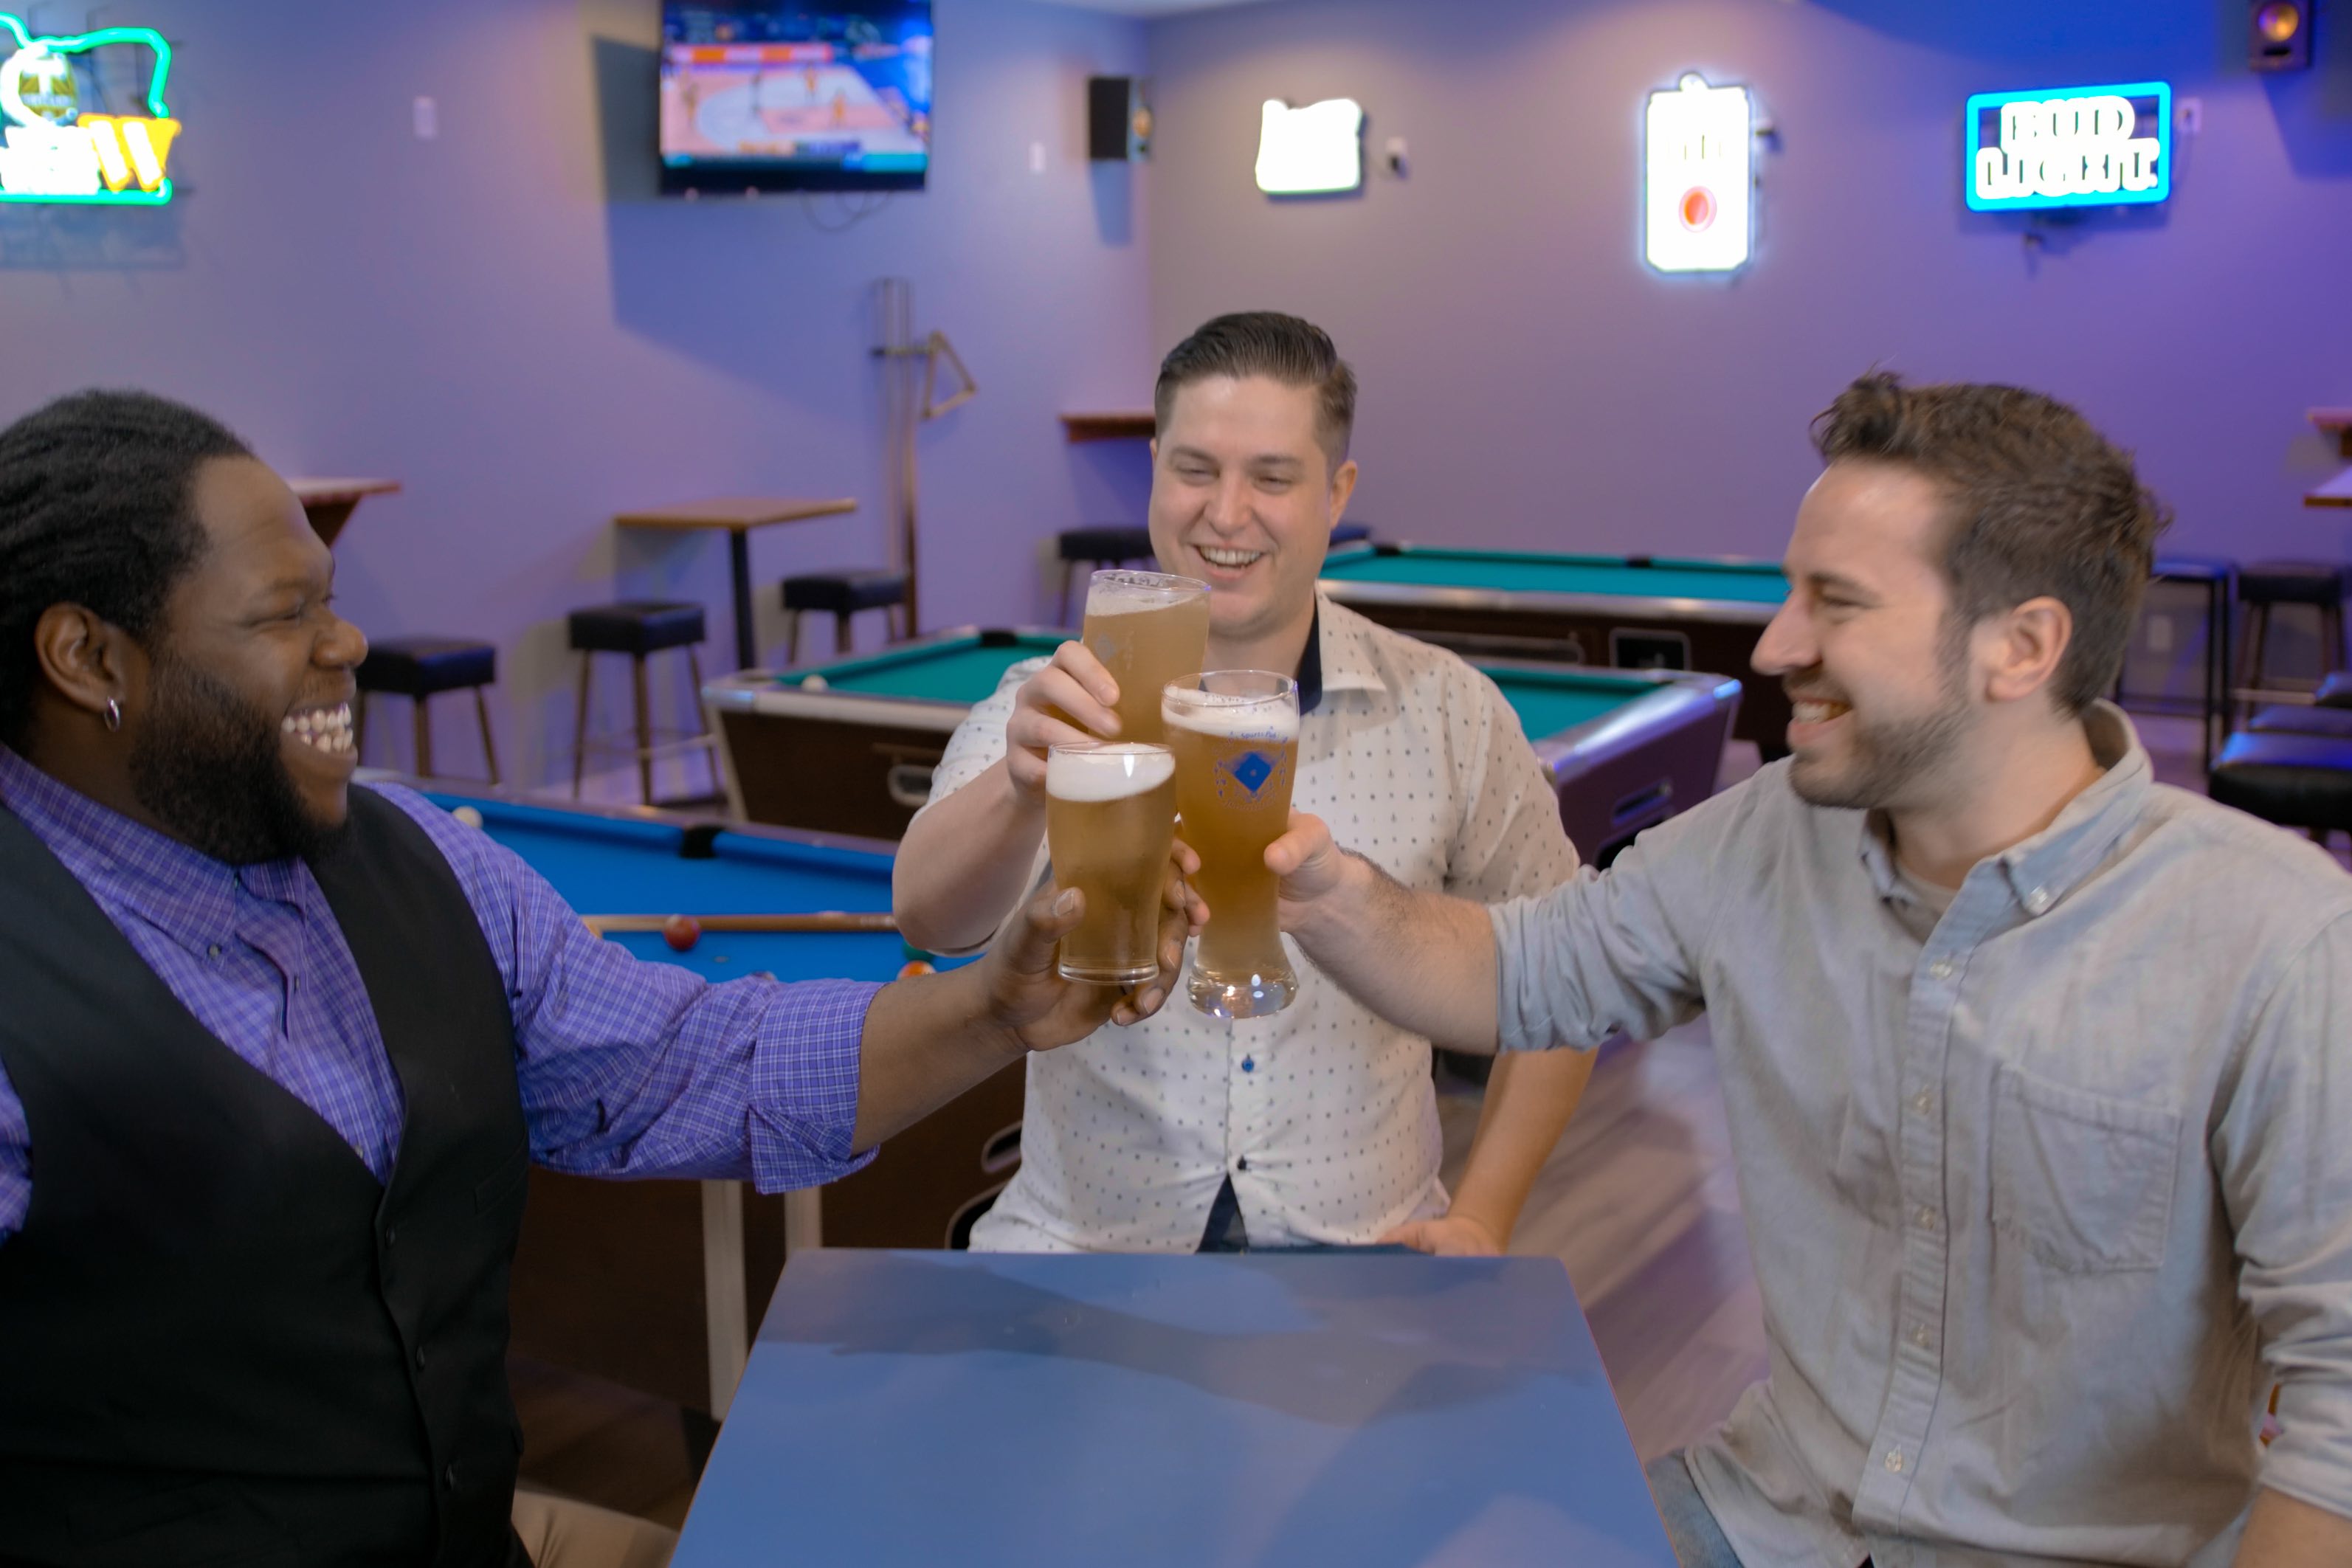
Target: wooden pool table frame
x,y
1718,636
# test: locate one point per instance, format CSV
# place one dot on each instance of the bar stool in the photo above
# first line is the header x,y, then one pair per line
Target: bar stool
x,y
2265,583
639,627
1350,534
2296,781
842,594
421,668
1098,548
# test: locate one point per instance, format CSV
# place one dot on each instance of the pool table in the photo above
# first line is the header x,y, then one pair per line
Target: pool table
x,y
653,1284
1631,612
848,745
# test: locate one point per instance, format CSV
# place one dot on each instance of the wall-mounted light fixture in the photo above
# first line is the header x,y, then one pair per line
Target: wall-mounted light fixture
x,y
1312,151
2070,147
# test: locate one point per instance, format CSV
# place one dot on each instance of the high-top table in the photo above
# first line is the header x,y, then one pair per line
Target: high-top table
x,y
328,503
738,516
1370,1409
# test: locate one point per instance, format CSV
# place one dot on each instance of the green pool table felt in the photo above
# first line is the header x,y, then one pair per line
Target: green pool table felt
x,y
1756,582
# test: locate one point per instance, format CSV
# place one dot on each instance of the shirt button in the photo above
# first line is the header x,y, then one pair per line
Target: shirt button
x,y
1242,1163
1925,1216
212,951
1941,969
1923,1101
1249,1065
2038,900
1894,1461
449,1477
420,1358
1919,1336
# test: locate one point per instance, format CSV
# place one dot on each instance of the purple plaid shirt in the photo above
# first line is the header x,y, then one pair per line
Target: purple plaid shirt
x,y
627,1068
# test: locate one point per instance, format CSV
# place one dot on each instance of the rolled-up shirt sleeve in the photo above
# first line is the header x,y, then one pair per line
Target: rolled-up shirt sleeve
x,y
1612,952
635,1069
2284,1164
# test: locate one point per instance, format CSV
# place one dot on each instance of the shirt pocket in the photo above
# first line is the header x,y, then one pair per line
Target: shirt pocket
x,y
2083,1181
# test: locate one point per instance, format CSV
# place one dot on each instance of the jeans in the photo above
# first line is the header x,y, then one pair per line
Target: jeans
x,y
1226,1232
1691,1529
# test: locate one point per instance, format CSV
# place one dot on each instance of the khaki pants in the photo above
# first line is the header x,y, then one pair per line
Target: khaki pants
x,y
560,1532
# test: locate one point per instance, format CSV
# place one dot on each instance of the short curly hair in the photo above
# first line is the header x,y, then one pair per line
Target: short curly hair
x,y
94,511
2040,504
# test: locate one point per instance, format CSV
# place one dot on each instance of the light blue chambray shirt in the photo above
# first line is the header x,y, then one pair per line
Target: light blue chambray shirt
x,y
2040,1204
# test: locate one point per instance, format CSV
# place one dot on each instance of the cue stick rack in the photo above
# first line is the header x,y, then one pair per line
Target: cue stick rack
x,y
910,399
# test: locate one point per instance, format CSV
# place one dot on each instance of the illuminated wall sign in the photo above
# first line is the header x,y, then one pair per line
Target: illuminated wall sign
x,y
1305,151
1698,183
2070,147
56,143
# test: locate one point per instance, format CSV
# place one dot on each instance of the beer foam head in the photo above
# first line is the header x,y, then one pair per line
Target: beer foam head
x,y
1231,717
1128,592
1106,772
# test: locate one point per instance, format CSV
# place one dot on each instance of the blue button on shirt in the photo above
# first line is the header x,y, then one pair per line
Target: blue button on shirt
x,y
626,1067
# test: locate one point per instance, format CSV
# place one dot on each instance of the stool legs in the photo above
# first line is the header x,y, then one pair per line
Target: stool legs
x,y
580,727
791,636
841,641
420,710
489,747
644,731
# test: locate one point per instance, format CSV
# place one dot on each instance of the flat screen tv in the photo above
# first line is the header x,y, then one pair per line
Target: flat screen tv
x,y
765,95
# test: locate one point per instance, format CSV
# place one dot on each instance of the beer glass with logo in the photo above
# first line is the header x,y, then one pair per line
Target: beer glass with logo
x,y
1110,812
1235,734
1147,628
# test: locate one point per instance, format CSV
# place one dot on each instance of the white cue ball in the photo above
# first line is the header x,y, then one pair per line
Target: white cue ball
x,y
467,815
813,682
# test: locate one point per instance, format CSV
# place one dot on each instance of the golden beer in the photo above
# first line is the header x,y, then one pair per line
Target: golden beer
x,y
1110,812
1235,734
1147,628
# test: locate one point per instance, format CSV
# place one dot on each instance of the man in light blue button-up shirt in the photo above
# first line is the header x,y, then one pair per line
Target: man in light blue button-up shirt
x,y
2035,1067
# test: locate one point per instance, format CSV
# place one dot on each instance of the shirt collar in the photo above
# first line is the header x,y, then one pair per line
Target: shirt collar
x,y
180,890
2043,870
1339,652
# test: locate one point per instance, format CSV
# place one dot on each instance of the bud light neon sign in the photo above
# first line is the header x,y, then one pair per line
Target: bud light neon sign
x,y
2070,147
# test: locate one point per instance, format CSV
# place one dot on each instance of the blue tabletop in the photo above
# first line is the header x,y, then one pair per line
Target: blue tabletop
x,y
920,1407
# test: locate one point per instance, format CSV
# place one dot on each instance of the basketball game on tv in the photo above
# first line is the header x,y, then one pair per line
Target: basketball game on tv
x,y
777,97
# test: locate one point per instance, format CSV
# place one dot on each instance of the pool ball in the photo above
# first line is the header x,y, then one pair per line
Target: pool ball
x,y
681,933
914,966
467,815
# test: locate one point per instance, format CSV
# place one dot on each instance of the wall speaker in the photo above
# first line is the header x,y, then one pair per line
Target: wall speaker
x,y
1119,122
2278,35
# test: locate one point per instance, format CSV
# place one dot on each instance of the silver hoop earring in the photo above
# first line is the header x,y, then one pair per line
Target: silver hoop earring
x,y
113,714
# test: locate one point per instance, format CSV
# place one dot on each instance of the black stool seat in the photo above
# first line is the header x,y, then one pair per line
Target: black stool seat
x,y
1352,533
2335,691
421,667
845,592
2292,718
638,626
2291,582
1105,544
2295,781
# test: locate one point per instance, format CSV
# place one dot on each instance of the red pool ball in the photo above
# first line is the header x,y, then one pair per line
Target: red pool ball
x,y
681,933
915,967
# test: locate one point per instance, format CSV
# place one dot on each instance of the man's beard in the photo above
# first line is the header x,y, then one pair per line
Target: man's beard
x,y
208,765
1890,759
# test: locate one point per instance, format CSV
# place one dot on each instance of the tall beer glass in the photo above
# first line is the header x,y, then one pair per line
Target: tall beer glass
x,y
1110,812
1147,628
1235,737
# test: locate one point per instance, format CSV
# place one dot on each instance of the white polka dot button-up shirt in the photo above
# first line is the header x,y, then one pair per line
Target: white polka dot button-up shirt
x,y
1322,1116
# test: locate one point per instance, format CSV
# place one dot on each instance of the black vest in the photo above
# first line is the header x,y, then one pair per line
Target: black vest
x,y
221,1340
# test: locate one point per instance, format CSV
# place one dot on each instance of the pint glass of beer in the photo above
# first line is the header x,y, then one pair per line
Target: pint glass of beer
x,y
1235,737
1110,812
1147,628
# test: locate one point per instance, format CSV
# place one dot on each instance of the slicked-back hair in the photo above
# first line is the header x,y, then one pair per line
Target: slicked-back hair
x,y
1280,348
2039,503
95,512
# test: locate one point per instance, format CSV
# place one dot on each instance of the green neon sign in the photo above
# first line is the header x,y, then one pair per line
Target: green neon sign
x,y
52,150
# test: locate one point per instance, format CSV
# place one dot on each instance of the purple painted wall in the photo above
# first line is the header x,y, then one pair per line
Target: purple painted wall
x,y
507,320
1528,381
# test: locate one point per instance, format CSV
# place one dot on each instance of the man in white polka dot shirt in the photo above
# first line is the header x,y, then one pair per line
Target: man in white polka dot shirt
x,y
1317,1124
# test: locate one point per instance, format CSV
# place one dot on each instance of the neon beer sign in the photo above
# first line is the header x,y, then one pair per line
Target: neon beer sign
x,y
57,144
2070,147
